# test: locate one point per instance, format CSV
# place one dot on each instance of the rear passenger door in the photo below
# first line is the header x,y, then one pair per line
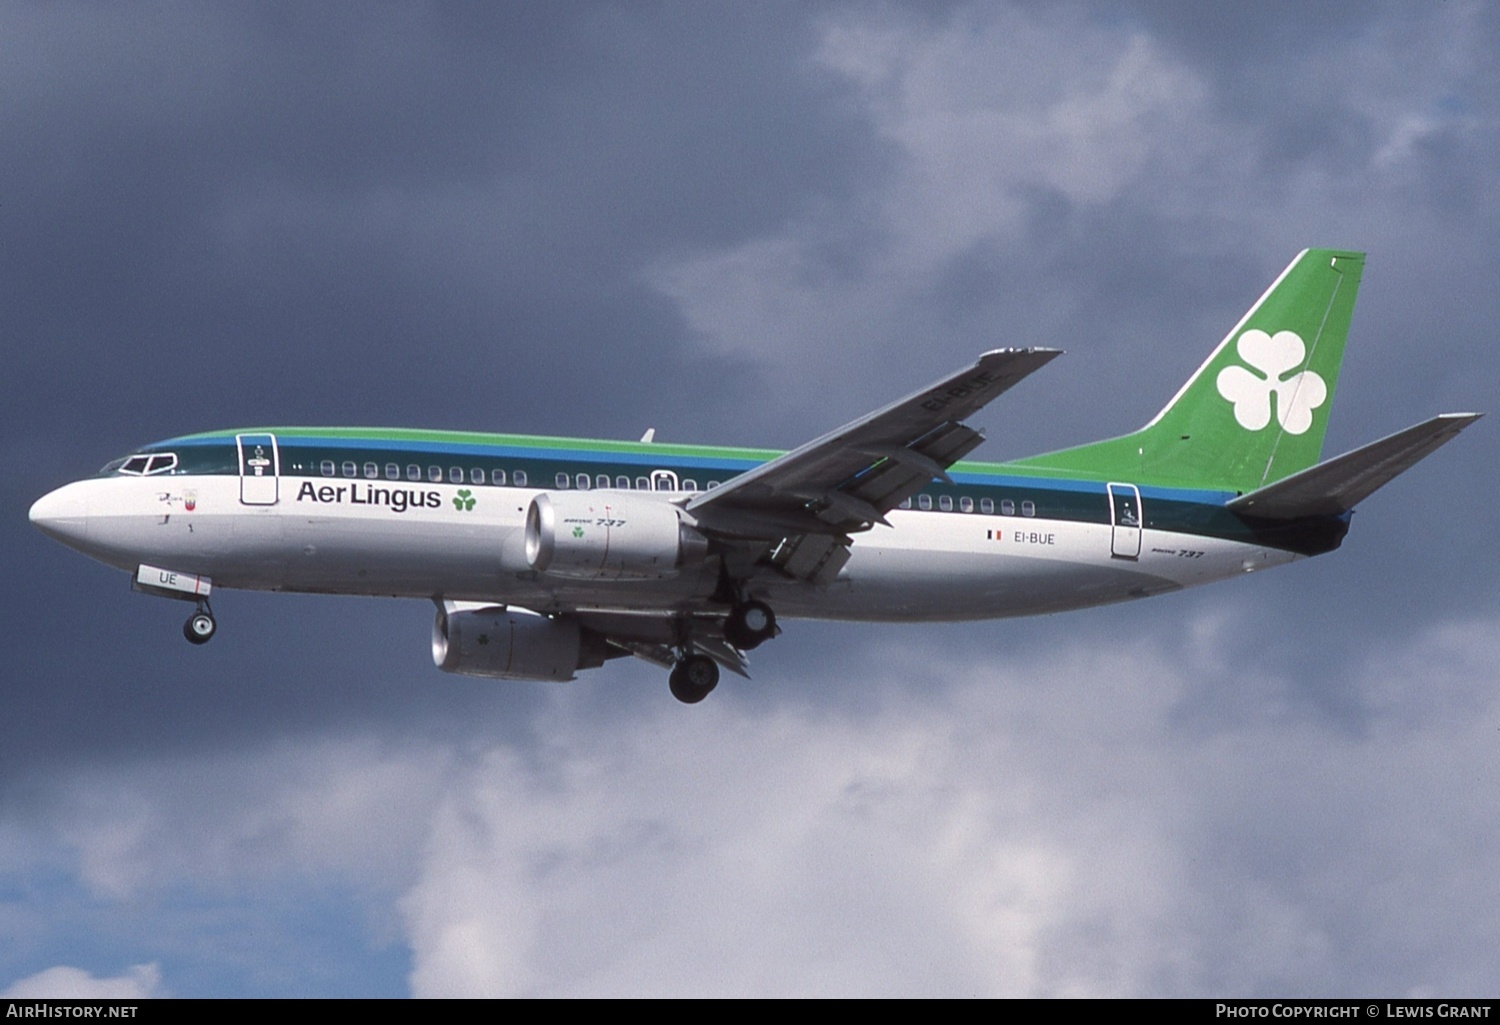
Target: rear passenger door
x,y
1125,520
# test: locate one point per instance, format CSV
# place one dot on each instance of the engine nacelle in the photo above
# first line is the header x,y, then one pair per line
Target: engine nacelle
x,y
606,535
508,645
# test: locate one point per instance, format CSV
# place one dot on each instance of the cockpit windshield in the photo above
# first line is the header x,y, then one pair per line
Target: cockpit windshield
x,y
144,465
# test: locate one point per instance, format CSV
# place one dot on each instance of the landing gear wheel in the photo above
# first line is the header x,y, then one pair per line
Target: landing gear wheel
x,y
694,678
750,625
200,627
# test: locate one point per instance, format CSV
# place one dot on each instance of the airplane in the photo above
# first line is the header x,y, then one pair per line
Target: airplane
x,y
547,556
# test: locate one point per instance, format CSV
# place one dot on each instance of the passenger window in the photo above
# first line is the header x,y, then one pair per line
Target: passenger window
x,y
372,471
456,474
584,483
326,466
924,502
987,506
966,504
690,485
1007,507
413,472
1028,508
351,469
906,503
623,483
435,474
392,471
476,476
945,503
602,481
642,484
518,478
497,478
712,484
562,480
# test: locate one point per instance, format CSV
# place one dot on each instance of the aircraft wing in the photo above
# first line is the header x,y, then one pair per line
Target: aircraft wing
x,y
808,500
1338,485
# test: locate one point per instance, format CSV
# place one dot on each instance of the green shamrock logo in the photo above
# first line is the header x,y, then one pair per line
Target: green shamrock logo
x,y
577,531
465,500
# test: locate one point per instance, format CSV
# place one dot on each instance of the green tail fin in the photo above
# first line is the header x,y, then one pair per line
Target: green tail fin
x,y
1257,409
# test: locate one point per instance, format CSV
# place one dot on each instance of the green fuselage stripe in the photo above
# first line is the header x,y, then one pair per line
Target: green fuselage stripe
x,y
308,452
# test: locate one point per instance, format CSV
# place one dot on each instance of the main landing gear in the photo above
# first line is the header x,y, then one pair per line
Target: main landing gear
x,y
201,625
694,678
750,623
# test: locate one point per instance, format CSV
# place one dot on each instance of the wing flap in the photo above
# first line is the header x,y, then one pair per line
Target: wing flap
x,y
655,637
1339,484
724,653
816,558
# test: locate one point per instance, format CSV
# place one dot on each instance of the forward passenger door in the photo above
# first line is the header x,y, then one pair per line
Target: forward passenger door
x,y
260,469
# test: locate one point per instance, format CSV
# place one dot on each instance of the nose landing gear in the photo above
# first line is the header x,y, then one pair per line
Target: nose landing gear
x,y
201,625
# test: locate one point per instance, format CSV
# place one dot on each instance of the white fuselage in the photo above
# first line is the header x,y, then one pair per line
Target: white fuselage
x,y
357,537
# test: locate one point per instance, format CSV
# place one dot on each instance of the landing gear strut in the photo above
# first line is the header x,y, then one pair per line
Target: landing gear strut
x,y
750,624
201,625
694,677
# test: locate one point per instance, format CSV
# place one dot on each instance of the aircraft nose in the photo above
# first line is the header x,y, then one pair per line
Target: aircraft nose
x,y
62,514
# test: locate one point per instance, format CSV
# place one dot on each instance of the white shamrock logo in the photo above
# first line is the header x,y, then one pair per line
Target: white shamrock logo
x,y
1272,355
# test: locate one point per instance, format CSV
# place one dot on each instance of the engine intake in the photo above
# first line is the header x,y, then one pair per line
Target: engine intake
x,y
504,644
597,535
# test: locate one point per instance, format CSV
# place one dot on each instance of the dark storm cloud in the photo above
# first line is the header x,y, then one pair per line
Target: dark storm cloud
x,y
438,215
1245,36
281,209
1301,81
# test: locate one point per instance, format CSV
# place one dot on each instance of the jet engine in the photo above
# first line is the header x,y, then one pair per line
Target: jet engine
x,y
505,644
601,535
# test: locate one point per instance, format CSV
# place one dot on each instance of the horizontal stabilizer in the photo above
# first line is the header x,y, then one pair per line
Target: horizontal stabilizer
x,y
1340,484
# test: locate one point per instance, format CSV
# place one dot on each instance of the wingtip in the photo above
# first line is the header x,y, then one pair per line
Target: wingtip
x,y
1458,421
1033,351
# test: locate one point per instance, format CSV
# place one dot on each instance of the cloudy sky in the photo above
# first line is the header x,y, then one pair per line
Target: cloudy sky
x,y
746,223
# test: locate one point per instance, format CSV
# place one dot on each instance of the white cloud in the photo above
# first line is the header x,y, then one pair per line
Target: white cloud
x,y
716,856
329,805
140,982
1008,838
984,111
1140,818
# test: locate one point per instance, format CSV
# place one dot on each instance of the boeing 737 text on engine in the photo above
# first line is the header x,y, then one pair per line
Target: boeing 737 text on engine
x,y
546,556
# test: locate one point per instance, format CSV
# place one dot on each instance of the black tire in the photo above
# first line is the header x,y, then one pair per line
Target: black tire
x,y
694,679
750,625
199,628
